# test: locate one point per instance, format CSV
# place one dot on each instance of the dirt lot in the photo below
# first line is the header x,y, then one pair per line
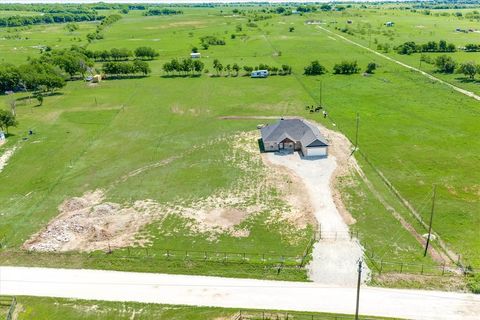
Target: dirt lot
x,y
90,222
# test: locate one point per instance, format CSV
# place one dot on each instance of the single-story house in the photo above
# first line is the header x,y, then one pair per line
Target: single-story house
x,y
294,135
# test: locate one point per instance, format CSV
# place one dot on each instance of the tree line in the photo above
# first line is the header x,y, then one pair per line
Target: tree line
x,y
98,34
183,67
50,71
446,64
18,21
162,12
344,67
283,70
35,76
121,54
134,67
191,66
472,47
410,47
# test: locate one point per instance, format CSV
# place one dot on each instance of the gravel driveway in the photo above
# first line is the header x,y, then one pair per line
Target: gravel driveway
x,y
335,256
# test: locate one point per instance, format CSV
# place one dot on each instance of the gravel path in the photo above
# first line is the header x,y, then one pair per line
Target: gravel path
x,y
236,293
335,257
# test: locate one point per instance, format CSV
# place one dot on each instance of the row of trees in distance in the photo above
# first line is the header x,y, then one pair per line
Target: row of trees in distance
x,y
115,68
410,47
183,67
194,66
162,12
19,21
121,54
446,64
344,67
98,34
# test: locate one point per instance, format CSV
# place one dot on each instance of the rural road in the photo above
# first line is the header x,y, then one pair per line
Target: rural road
x,y
235,293
426,74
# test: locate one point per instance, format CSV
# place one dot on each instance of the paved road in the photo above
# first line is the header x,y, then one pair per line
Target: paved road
x,y
235,293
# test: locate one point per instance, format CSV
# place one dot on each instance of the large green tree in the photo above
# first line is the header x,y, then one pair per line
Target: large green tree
x,y
7,119
469,69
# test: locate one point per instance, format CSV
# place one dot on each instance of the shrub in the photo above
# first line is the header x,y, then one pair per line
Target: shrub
x,y
346,67
315,68
445,64
371,67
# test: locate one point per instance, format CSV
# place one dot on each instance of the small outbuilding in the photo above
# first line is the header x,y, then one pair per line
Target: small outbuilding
x,y
294,135
389,24
195,55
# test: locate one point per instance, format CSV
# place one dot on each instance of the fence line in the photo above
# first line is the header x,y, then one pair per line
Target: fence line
x,y
11,310
266,315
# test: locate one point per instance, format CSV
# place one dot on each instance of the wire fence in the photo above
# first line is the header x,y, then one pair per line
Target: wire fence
x,y
267,315
11,310
206,256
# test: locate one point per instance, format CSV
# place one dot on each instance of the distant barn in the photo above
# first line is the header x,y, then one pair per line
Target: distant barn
x,y
294,135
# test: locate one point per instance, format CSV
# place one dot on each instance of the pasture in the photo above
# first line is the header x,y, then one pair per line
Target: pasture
x,y
415,131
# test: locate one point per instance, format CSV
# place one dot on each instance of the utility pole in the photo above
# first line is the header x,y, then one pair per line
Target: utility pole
x,y
356,134
358,287
431,220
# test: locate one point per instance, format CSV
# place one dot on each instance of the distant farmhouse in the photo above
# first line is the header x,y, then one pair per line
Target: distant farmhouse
x,y
294,135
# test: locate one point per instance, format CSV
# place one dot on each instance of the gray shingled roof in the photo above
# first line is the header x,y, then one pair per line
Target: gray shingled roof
x,y
296,130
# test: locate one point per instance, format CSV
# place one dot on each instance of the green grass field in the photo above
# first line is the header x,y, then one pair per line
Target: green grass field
x,y
53,308
416,132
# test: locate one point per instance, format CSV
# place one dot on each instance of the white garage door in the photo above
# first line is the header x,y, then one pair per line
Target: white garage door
x,y
316,152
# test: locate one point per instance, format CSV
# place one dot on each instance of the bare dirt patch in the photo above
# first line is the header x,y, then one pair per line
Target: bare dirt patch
x,y
6,156
89,222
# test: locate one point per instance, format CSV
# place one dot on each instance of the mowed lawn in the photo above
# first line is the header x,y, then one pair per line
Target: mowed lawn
x,y
416,132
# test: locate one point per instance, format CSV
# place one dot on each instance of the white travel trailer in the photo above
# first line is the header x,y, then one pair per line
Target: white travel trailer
x,y
259,74
195,55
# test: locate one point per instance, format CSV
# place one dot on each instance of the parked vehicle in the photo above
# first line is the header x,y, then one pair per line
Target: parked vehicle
x,y
259,74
